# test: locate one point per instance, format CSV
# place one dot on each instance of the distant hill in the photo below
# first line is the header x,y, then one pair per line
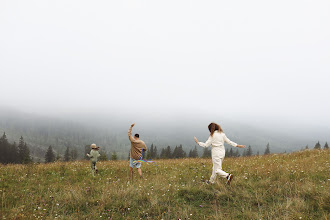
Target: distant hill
x,y
111,133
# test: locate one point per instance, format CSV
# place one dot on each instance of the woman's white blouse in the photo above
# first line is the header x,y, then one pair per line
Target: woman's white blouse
x,y
217,140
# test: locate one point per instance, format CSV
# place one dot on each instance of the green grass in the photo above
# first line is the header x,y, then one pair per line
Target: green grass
x,y
283,186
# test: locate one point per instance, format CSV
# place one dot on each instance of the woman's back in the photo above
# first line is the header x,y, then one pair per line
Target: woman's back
x,y
217,140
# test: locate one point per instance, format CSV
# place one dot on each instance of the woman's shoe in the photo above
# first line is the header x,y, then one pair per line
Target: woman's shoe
x,y
229,178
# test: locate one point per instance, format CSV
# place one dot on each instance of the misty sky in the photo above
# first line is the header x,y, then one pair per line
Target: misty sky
x,y
238,59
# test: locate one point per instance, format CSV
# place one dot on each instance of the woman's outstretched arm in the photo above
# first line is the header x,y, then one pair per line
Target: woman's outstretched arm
x,y
206,144
232,143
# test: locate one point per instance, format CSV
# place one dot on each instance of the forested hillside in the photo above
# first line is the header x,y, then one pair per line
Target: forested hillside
x,y
40,132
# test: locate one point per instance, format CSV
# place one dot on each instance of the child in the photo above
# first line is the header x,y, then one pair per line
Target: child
x,y
216,140
93,155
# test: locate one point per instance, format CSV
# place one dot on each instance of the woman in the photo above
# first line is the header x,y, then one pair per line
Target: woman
x,y
216,140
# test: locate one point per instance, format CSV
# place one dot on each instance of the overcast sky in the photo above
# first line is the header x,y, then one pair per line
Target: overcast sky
x,y
239,59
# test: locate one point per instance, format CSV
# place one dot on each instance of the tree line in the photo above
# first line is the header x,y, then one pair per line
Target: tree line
x,y
72,155
13,153
20,153
318,146
178,152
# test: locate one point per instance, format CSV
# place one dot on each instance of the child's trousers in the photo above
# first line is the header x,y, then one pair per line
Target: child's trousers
x,y
93,165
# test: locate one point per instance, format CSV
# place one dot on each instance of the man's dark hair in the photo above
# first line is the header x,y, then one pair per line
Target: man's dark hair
x,y
137,135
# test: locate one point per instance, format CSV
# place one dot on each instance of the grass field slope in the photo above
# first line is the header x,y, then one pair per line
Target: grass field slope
x,y
278,186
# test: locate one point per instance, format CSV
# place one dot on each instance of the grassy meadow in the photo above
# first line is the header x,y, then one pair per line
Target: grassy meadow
x,y
278,186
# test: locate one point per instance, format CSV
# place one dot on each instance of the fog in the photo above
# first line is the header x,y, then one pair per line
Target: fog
x,y
259,63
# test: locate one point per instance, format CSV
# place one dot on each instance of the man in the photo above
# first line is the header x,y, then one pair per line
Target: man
x,y
137,147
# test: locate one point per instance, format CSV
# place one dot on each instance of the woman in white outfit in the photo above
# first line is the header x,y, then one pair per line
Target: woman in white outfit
x,y
216,140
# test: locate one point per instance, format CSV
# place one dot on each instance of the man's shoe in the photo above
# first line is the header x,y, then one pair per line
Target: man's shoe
x,y
229,178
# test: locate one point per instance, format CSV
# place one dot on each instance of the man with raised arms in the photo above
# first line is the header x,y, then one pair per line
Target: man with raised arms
x,y
137,147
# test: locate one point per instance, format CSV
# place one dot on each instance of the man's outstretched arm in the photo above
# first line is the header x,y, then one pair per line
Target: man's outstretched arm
x,y
130,133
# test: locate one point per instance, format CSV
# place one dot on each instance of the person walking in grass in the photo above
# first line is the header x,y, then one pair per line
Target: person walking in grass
x,y
137,147
94,155
217,139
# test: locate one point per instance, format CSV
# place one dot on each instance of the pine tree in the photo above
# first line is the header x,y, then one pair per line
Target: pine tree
x,y
67,154
326,146
148,154
4,145
74,154
181,153
168,152
317,145
114,156
249,151
194,153
162,153
13,156
50,156
58,157
175,152
23,152
237,153
21,149
231,153
151,153
257,153
103,156
87,151
178,152
190,153
206,153
155,154
306,148
267,151
27,158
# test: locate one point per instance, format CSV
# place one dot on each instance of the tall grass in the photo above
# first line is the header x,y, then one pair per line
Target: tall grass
x,y
282,186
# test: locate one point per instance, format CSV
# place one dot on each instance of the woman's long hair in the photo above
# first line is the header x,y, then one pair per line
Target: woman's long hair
x,y
214,127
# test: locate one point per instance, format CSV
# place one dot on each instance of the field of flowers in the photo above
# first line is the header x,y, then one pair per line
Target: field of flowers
x,y
282,186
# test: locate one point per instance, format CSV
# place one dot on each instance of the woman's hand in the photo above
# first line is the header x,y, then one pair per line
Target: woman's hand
x,y
240,146
196,140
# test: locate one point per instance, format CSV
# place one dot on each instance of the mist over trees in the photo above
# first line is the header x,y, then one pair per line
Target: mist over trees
x,y
110,133
13,153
